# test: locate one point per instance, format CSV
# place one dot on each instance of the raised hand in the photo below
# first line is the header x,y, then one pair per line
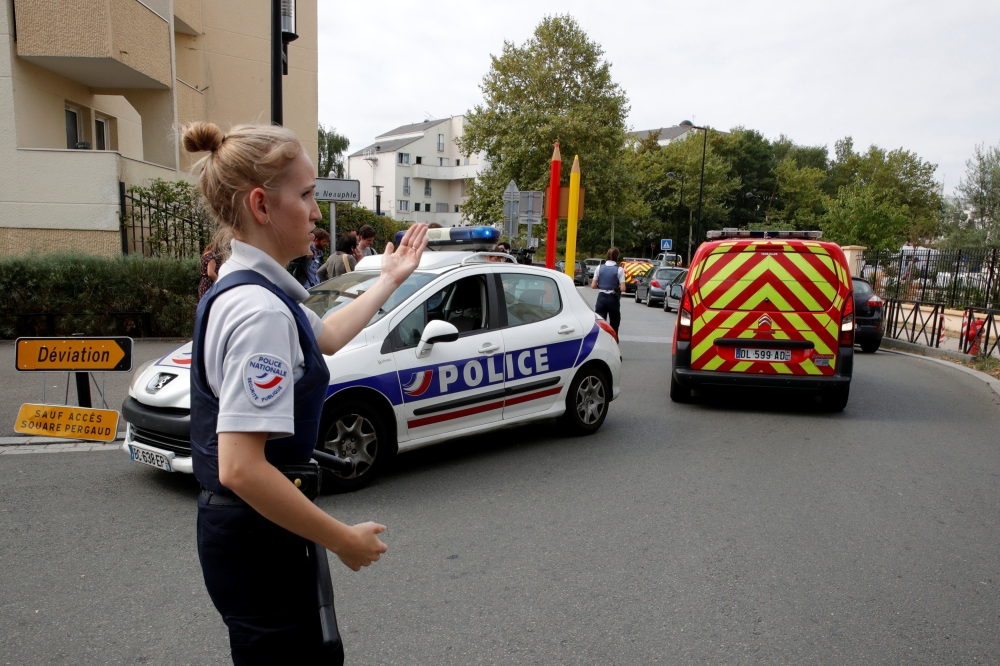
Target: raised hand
x,y
398,263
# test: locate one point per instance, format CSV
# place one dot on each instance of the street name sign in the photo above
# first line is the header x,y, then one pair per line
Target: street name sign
x,y
75,354
666,244
338,189
71,422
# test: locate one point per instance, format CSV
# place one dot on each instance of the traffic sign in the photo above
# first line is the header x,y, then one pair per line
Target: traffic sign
x,y
530,207
71,422
338,189
511,193
666,244
75,354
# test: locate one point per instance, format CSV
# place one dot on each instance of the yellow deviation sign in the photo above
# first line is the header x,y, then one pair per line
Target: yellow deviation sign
x,y
71,422
76,354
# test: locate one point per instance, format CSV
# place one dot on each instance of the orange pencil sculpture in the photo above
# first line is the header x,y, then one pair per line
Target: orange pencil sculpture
x,y
551,239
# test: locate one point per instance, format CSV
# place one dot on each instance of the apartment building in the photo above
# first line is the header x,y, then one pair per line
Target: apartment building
x,y
91,91
667,134
419,170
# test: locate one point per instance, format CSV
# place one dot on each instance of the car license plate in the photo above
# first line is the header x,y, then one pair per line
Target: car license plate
x,y
148,457
772,355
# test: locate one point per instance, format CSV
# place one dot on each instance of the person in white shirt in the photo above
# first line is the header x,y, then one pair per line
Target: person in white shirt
x,y
610,279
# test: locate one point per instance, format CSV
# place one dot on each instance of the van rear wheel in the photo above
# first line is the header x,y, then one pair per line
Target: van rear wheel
x,y
834,401
679,393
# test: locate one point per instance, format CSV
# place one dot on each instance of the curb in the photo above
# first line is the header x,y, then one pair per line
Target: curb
x,y
994,384
920,350
27,440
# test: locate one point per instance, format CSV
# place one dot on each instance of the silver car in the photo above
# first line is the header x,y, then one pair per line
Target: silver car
x,y
675,291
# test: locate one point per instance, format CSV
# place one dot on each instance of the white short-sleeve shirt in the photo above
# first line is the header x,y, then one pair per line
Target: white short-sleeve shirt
x,y
248,322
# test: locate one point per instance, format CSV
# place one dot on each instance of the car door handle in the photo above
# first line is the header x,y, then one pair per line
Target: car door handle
x,y
565,330
488,348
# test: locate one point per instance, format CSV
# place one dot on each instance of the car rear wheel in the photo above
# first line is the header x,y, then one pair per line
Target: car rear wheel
x,y
650,303
679,393
587,401
834,401
637,299
870,347
354,429
666,305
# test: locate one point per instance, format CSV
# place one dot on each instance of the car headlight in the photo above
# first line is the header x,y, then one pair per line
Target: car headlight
x,y
137,374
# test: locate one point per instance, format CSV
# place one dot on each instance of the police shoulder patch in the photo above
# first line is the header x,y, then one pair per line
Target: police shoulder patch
x,y
265,377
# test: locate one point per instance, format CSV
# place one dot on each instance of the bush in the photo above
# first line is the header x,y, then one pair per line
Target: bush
x,y
354,217
86,290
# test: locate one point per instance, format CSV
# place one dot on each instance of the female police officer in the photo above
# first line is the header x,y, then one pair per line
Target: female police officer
x,y
258,383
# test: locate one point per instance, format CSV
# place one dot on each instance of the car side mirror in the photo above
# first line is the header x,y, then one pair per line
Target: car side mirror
x,y
676,291
436,331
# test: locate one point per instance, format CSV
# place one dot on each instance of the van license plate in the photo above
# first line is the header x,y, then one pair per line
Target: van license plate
x,y
151,458
772,355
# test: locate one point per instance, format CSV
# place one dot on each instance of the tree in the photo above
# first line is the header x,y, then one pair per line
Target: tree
x,y
979,193
799,201
556,86
868,215
332,147
752,163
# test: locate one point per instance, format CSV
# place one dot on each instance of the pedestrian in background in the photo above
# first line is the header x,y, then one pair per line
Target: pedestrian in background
x,y
343,260
212,258
366,236
317,248
609,277
259,381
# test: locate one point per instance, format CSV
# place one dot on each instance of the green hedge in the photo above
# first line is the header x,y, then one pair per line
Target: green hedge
x,y
97,287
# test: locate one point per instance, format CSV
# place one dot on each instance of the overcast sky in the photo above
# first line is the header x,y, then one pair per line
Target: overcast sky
x,y
920,75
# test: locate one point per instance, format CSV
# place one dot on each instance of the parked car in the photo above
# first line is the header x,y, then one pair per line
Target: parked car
x,y
672,299
591,266
634,269
669,259
766,309
868,322
579,275
653,285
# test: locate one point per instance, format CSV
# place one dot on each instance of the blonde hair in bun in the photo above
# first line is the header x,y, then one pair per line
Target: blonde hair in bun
x,y
248,156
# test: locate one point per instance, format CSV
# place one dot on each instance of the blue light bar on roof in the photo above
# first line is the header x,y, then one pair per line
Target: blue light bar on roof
x,y
459,238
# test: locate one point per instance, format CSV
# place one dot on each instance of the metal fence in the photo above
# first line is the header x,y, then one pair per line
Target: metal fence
x,y
980,331
155,229
914,321
956,278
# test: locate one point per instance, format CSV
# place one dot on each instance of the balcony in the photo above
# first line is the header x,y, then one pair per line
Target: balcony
x,y
444,172
99,43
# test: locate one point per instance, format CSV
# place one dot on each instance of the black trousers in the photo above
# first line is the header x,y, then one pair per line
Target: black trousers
x,y
261,580
609,307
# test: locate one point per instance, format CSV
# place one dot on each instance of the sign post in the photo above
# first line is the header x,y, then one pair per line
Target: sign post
x,y
81,355
530,211
666,245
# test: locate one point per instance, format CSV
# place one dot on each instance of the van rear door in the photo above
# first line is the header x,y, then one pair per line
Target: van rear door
x,y
770,307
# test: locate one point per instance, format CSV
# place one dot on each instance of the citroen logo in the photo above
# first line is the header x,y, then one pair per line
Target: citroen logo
x,y
764,323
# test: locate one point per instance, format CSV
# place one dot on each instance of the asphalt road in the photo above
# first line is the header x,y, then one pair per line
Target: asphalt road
x,y
747,530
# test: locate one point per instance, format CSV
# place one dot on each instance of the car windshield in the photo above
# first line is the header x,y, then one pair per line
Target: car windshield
x,y
862,288
593,262
667,273
334,294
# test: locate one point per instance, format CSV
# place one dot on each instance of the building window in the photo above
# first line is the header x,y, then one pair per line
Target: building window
x,y
403,206
441,208
420,160
442,161
102,136
72,127
406,185
458,162
440,143
466,161
404,158
456,208
427,187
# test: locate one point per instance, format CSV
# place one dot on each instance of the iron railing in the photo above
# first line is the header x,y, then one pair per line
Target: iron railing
x,y
153,228
980,332
957,278
914,321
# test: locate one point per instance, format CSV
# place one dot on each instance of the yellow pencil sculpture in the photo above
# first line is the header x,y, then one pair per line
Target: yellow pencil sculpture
x,y
572,216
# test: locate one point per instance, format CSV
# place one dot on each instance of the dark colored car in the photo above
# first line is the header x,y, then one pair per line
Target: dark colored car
x,y
652,286
868,323
579,275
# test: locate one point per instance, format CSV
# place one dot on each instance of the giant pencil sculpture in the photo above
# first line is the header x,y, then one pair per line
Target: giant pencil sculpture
x,y
572,216
554,189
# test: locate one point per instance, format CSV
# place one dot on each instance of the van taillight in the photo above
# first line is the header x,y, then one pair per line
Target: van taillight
x,y
847,323
684,317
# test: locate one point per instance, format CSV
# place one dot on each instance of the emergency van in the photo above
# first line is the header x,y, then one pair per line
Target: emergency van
x,y
469,343
766,309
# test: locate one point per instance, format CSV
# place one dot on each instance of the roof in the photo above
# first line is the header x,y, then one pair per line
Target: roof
x,y
390,146
666,133
412,128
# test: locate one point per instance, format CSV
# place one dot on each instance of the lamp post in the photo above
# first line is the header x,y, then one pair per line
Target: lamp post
x,y
282,32
704,149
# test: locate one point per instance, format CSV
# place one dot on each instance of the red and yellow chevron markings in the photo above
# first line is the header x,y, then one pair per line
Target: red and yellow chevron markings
x,y
634,269
797,284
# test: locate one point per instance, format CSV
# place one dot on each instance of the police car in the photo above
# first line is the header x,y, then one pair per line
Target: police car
x,y
470,343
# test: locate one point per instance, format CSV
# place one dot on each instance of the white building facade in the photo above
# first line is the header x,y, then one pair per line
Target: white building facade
x,y
422,175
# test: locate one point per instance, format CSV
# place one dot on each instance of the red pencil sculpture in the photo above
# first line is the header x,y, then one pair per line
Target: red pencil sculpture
x,y
554,189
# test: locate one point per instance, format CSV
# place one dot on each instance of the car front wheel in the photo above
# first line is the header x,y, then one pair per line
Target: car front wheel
x,y
355,430
587,401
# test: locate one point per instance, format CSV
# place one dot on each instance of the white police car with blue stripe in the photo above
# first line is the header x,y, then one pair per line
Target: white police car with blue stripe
x,y
471,342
